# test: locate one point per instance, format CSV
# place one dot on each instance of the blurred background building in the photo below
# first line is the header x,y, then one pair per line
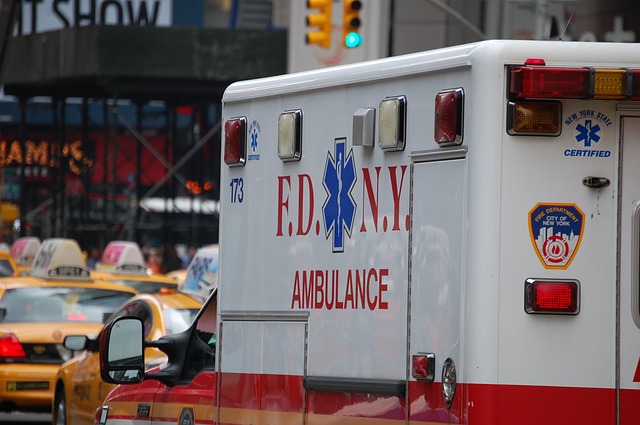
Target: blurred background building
x,y
109,112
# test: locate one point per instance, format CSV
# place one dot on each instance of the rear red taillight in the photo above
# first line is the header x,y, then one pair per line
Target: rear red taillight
x,y
552,296
235,141
538,82
11,350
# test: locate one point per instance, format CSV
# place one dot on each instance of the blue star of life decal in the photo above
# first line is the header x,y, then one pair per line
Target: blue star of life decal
x,y
254,140
588,133
339,209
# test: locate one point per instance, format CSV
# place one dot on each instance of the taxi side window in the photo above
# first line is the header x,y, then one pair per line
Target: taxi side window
x,y
143,311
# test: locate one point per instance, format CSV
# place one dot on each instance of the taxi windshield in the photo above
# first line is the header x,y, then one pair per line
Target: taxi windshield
x,y
177,320
59,304
145,286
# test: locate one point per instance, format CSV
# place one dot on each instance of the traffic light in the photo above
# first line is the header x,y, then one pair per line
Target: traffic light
x,y
351,23
320,19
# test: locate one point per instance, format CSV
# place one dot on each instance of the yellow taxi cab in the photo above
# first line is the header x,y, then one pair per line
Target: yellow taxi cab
x,y
37,311
79,389
179,275
122,262
23,250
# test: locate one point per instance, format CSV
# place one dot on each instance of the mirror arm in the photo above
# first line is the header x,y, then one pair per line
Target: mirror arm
x,y
166,377
163,344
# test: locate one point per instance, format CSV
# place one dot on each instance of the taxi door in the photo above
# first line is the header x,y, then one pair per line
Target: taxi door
x,y
88,390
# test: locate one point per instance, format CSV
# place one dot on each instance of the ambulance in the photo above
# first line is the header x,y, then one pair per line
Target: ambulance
x,y
450,236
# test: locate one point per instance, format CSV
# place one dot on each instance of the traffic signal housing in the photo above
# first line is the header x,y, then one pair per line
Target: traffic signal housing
x,y
351,23
321,20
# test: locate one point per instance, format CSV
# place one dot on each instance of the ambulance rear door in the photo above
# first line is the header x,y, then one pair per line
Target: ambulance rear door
x,y
629,308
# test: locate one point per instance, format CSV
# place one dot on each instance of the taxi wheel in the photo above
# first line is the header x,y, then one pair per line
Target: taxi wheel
x,y
60,413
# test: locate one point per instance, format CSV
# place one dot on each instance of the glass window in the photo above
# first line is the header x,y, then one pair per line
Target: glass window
x,y
177,320
59,304
146,286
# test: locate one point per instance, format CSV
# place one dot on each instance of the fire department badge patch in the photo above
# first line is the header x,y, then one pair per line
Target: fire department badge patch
x,y
186,416
556,232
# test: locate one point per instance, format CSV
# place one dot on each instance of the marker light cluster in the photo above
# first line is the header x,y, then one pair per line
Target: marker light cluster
x,y
534,80
391,118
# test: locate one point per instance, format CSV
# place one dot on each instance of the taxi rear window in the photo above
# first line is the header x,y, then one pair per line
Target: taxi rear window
x,y
59,304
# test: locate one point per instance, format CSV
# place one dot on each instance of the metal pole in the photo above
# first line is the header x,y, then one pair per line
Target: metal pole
x,y
105,157
64,199
23,140
136,219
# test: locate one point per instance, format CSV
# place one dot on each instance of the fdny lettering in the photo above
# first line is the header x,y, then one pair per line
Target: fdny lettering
x,y
323,289
296,203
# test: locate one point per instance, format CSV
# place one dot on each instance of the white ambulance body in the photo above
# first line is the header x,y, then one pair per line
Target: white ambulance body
x,y
371,274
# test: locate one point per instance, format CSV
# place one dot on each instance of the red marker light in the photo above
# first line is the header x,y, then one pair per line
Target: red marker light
x,y
423,366
535,82
535,62
449,114
235,136
552,296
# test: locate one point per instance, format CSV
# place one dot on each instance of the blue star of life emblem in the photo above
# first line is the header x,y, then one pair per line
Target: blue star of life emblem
x,y
588,133
254,140
339,209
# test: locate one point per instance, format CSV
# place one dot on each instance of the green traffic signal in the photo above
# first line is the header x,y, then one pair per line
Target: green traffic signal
x,y
352,39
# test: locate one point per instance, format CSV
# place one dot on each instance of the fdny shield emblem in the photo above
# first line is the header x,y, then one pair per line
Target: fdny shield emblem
x,y
556,232
187,416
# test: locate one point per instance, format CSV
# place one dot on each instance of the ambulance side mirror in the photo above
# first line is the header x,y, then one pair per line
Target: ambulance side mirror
x,y
122,351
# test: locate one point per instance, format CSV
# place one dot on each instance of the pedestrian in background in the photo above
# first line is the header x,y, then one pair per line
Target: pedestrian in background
x,y
170,259
94,258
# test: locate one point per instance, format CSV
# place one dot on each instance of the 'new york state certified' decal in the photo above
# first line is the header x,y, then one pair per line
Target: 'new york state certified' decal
x,y
556,232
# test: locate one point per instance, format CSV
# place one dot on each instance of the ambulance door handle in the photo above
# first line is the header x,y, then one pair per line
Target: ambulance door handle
x,y
596,182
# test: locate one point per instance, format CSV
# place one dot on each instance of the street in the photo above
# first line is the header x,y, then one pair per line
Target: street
x,y
25,418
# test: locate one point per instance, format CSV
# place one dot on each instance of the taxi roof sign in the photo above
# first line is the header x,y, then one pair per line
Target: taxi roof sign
x,y
24,249
122,257
59,258
202,273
